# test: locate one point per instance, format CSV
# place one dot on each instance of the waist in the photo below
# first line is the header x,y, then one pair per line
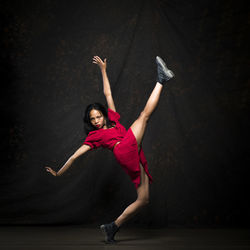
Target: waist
x,y
115,145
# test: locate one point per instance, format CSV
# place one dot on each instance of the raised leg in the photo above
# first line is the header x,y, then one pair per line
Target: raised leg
x,y
139,126
141,201
163,75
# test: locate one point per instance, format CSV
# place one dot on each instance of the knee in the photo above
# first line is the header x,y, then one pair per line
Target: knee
x,y
144,201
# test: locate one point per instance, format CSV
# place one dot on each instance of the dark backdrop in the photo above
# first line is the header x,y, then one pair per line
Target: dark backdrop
x,y
196,142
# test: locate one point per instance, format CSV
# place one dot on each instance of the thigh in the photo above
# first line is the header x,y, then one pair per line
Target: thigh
x,y
143,188
138,128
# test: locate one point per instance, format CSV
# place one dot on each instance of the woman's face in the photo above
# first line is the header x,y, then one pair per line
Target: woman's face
x,y
97,119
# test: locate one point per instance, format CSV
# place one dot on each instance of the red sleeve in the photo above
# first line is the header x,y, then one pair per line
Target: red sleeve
x,y
112,115
93,140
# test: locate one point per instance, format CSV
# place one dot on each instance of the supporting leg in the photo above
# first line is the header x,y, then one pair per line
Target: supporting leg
x,y
141,201
109,230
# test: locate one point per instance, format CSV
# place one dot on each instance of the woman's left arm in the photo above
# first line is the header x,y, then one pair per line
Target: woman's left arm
x,y
106,85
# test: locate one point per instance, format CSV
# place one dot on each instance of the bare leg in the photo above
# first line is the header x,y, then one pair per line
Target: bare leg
x,y
141,201
139,126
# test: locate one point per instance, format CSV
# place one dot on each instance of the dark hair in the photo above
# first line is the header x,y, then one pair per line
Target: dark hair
x,y
88,127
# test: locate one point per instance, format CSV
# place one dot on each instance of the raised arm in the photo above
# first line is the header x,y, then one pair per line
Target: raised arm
x,y
83,149
106,85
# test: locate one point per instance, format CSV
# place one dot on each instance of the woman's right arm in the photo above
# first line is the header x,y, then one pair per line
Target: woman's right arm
x,y
106,85
83,149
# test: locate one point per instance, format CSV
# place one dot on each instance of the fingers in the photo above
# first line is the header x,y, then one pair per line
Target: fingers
x,y
48,169
97,59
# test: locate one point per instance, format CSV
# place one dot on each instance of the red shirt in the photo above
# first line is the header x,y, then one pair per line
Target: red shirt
x,y
106,138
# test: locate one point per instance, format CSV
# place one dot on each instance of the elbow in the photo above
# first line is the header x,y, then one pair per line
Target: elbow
x,y
73,157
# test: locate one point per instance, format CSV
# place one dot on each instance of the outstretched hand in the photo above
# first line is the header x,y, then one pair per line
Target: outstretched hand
x,y
48,169
102,64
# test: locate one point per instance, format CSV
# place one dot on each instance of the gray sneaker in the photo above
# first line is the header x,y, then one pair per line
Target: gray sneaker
x,y
164,74
109,231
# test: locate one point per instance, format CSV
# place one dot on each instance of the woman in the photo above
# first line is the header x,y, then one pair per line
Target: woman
x,y
104,129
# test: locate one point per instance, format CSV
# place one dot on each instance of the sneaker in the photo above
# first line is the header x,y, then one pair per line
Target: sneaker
x,y
109,231
164,74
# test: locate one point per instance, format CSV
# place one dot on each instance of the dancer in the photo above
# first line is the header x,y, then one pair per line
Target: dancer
x,y
104,129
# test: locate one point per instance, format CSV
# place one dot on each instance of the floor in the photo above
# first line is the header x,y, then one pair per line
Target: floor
x,y
89,238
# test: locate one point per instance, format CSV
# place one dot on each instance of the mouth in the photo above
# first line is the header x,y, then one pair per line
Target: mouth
x,y
97,125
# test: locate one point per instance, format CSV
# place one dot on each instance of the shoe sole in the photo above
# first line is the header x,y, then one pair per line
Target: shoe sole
x,y
167,71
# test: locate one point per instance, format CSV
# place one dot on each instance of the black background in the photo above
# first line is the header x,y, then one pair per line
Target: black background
x,y
196,142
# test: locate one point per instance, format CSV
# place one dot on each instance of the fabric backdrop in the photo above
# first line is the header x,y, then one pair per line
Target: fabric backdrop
x,y
196,141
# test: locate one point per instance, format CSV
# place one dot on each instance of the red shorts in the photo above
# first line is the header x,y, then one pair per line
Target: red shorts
x,y
126,154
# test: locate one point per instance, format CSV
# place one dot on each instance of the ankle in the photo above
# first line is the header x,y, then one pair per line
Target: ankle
x,y
117,223
159,83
